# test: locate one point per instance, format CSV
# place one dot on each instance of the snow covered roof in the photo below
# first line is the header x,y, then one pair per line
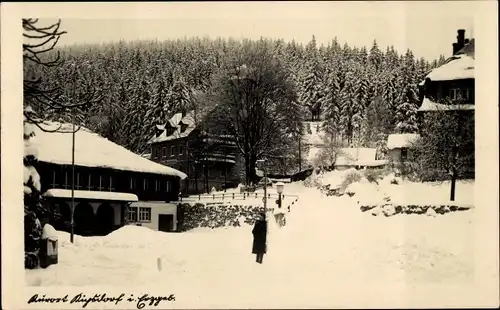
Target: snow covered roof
x,y
91,150
429,105
151,204
458,67
97,195
174,121
351,155
177,119
372,163
401,140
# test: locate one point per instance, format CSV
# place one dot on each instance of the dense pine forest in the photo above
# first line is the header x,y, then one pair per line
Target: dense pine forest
x,y
361,93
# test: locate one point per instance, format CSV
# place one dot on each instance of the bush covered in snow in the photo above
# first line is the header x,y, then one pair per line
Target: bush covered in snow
x,y
315,179
351,176
376,175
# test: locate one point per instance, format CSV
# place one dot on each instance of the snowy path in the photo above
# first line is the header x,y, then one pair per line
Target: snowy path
x,y
327,245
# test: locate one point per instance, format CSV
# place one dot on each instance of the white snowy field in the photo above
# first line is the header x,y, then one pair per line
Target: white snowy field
x,y
327,248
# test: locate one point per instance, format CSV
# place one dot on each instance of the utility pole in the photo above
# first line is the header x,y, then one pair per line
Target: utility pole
x,y
73,167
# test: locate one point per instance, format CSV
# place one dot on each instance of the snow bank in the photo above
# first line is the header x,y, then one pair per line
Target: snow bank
x,y
322,242
338,178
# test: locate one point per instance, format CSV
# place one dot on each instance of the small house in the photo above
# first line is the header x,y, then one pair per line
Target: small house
x,y
107,184
399,147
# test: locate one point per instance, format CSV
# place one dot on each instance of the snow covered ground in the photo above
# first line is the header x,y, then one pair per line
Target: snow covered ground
x,y
328,255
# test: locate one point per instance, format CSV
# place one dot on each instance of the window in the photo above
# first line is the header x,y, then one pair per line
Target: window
x,y
467,94
181,149
164,152
168,186
54,179
460,94
90,184
223,172
172,151
170,131
145,184
132,214
78,182
101,183
66,180
157,152
132,183
111,188
144,214
157,185
404,154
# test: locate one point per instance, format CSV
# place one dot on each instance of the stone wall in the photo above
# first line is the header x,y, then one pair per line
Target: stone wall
x,y
215,216
429,210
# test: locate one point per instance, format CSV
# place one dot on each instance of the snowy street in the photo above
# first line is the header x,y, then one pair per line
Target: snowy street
x,y
326,240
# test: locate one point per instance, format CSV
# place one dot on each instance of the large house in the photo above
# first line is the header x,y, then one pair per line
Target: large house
x,y
452,81
111,183
210,161
451,87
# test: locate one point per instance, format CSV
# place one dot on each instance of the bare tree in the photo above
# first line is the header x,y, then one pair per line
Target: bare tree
x,y
39,42
253,95
330,151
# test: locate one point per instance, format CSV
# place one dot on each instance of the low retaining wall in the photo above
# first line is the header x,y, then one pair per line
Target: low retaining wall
x,y
391,210
215,216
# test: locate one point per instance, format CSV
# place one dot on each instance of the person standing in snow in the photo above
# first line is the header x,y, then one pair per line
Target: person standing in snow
x,y
259,238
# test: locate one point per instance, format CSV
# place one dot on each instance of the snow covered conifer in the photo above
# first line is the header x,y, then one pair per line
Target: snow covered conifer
x,y
406,118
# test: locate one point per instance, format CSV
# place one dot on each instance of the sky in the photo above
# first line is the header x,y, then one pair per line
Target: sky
x,y
428,28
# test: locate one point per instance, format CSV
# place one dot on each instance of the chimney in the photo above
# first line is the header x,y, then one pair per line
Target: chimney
x,y
461,38
460,41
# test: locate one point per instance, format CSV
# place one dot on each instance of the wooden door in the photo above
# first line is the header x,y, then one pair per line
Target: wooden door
x,y
166,222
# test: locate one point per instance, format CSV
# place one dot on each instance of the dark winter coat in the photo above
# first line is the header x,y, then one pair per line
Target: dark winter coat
x,y
259,237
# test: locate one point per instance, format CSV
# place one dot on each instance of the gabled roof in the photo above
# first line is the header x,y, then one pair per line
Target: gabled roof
x,y
91,150
177,119
458,67
174,121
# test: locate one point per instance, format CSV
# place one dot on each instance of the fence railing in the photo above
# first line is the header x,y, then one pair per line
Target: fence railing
x,y
235,196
